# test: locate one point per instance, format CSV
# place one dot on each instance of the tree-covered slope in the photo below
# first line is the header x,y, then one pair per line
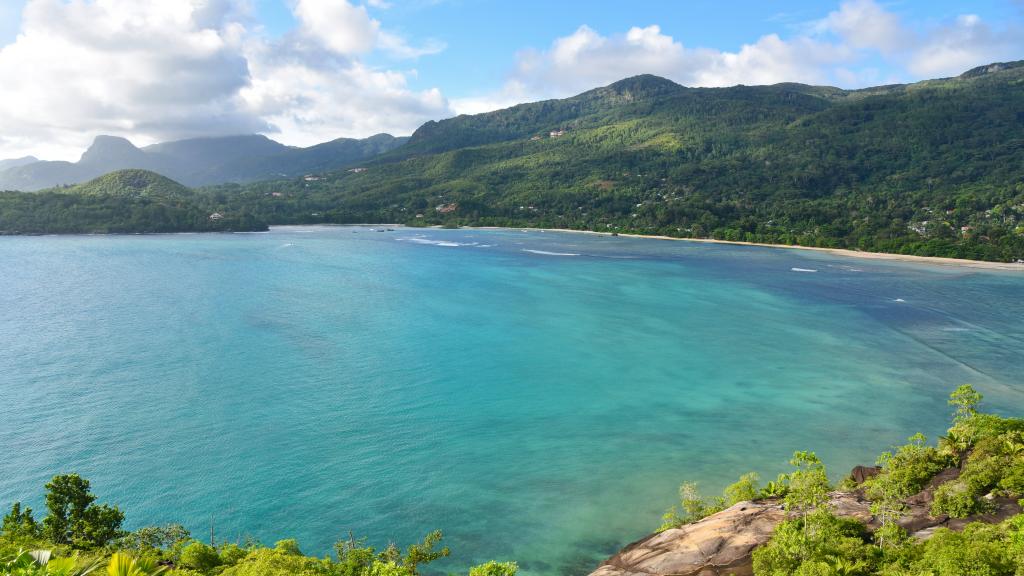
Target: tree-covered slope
x,y
132,184
126,201
933,168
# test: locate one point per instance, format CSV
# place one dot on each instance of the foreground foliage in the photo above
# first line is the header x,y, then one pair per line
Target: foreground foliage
x,y
988,451
79,537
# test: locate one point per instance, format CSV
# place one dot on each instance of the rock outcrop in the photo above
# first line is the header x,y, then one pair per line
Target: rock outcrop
x,y
717,545
722,544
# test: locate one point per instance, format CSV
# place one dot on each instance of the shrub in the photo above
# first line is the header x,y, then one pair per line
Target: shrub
x,y
955,499
906,470
776,488
493,568
816,544
199,556
744,489
231,554
693,505
19,524
977,551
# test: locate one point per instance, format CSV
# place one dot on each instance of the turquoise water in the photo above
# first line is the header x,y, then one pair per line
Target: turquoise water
x,y
539,406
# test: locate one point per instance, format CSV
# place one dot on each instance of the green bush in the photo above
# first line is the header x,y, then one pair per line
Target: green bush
x,y
816,544
493,568
744,489
199,556
906,470
980,550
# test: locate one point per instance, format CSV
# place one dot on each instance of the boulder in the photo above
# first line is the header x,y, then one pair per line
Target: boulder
x,y
718,545
862,473
722,544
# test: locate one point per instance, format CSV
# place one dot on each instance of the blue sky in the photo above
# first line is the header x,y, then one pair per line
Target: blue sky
x,y
482,36
304,71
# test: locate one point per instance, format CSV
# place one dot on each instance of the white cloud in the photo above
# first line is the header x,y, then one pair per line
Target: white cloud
x,y
843,48
865,24
161,69
312,98
339,26
963,44
585,59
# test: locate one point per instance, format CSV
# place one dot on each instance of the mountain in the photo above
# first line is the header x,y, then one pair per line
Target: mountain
x,y
125,201
931,168
132,184
197,161
15,162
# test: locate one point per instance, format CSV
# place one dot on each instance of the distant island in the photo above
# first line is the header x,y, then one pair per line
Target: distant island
x,y
928,169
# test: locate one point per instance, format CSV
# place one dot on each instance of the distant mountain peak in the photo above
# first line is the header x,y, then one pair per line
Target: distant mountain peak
x,y
15,162
643,85
111,150
992,68
134,183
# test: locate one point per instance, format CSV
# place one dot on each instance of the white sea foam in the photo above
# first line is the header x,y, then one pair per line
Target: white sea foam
x,y
546,253
436,242
802,270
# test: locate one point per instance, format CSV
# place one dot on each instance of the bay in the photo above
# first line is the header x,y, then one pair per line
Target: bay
x,y
537,395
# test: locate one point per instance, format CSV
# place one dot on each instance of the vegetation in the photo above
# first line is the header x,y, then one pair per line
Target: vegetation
x,y
927,169
79,537
127,201
987,451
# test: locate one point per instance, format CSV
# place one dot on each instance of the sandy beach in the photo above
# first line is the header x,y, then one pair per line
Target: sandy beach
x,y
932,260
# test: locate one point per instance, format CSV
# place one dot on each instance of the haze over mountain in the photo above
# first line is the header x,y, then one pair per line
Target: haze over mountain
x,y
15,162
195,162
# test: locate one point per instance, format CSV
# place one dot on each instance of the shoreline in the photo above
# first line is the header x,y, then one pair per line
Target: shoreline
x,y
885,256
881,256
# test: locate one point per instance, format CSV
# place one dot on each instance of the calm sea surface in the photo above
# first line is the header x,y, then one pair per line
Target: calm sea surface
x,y
538,396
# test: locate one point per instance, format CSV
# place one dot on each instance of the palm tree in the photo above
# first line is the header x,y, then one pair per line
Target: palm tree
x,y
124,565
40,563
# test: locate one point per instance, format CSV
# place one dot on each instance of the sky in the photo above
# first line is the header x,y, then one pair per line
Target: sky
x,y
309,71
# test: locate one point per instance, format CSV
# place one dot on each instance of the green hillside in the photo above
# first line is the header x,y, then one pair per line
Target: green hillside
x,y
126,201
132,184
933,168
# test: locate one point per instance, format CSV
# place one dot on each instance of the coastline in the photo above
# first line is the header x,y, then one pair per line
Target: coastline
x,y
934,260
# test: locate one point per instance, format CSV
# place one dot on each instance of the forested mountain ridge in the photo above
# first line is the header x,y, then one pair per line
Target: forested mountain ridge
x,y
932,168
196,161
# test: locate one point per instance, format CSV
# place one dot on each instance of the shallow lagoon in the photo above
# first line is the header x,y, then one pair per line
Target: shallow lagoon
x,y
537,395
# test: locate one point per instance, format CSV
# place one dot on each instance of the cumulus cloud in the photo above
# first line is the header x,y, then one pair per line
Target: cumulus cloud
x,y
585,59
162,69
865,24
155,70
842,48
962,44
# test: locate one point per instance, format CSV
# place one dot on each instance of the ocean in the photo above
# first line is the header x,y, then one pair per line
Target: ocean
x,y
538,396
